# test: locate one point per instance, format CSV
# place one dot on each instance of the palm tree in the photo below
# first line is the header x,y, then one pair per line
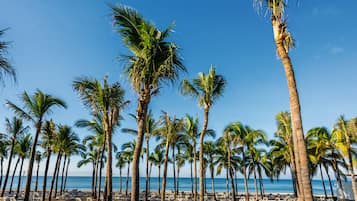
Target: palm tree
x,y
345,135
209,148
6,69
47,143
14,128
4,145
91,157
206,88
128,150
22,148
153,63
120,164
105,100
283,42
158,159
34,110
38,160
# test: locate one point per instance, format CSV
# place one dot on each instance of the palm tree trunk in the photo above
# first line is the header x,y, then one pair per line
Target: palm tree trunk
x,y
96,178
174,170
245,177
191,178
165,172
202,136
120,180
255,184
93,177
350,167
19,181
57,174
143,103
31,160
159,178
149,188
65,177
212,180
338,178
323,181
260,183
38,168
63,169
147,168
195,170
54,176
232,183
296,120
227,184
293,169
127,181
13,139
2,170
13,174
100,179
329,181
45,175
236,180
109,172
178,179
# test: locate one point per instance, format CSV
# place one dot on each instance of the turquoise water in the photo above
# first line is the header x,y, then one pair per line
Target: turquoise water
x,y
84,182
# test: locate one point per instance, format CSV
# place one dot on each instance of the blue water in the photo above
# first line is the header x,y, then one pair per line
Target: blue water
x,y
84,182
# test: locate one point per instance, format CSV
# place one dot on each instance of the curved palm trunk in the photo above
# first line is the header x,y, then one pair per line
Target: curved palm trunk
x,y
195,171
57,174
65,177
13,174
19,181
147,169
202,136
63,169
329,181
38,169
45,175
13,139
165,172
127,180
143,103
159,182
296,120
31,160
323,181
54,176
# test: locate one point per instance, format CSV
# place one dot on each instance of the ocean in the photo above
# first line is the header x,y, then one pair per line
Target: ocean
x,y
84,183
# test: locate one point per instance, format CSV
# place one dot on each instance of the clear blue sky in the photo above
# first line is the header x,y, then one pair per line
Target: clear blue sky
x,y
54,42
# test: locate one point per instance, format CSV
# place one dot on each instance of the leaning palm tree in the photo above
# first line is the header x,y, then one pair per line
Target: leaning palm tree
x,y
154,62
283,42
14,128
6,69
106,100
22,148
34,110
206,88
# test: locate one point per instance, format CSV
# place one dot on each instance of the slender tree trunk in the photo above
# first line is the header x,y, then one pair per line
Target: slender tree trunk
x,y
236,178
54,176
294,181
63,169
57,174
195,170
31,160
127,181
2,170
323,181
293,169
147,168
49,152
202,136
329,181
296,120
97,169
65,177
165,172
174,170
93,178
159,182
19,180
13,139
245,177
38,169
255,184
232,183
191,178
120,180
13,174
144,101
260,183
227,183
212,180
100,179
338,178
149,188
350,167
109,172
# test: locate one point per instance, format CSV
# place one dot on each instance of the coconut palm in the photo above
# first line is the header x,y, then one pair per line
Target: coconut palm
x,y
14,128
158,159
90,157
34,110
22,148
209,148
6,69
120,164
283,42
4,145
128,150
206,88
38,159
153,63
47,143
105,100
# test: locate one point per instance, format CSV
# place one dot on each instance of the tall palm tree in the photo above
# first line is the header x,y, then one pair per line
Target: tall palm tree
x,y
107,101
345,135
6,69
47,143
154,62
14,129
207,88
34,110
23,148
38,160
283,42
